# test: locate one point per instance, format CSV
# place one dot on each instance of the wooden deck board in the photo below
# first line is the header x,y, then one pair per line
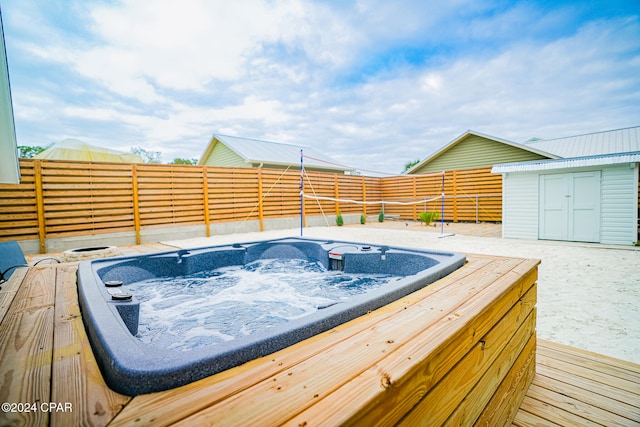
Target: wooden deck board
x,y
76,377
594,394
9,289
26,344
578,387
45,357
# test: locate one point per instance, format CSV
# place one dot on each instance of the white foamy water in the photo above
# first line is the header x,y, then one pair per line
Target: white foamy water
x,y
212,307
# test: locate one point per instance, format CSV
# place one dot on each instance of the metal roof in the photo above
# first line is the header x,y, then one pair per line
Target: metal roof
x,y
277,153
575,162
592,144
461,137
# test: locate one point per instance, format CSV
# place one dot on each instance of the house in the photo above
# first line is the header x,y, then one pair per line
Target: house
x,y
578,188
9,166
233,151
471,190
475,150
587,193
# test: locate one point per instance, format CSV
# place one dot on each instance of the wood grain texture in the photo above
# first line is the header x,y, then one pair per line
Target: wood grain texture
x,y
59,199
457,352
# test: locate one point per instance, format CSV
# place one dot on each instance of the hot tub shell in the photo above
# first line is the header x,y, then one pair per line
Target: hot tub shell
x,y
132,367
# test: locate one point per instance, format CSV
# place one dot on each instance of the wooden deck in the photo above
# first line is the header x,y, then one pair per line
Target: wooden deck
x,y
388,367
579,388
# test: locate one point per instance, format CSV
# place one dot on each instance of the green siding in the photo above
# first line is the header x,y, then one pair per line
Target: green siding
x,y
475,152
221,155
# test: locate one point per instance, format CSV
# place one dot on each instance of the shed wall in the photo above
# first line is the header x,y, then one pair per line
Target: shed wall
x,y
619,205
476,152
618,208
520,206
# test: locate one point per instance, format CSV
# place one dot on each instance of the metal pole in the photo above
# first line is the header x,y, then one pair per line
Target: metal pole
x,y
301,190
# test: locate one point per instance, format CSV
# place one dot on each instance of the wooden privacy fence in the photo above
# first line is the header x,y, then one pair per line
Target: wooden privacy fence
x,y
60,198
469,195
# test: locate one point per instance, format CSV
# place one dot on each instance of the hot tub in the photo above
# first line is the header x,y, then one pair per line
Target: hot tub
x,y
111,310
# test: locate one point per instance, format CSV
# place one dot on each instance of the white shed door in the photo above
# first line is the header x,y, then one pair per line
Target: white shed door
x,y
570,207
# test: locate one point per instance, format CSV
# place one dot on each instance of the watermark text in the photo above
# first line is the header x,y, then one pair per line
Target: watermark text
x,y
22,407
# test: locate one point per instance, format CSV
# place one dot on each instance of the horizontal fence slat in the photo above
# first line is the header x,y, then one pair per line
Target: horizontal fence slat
x,y
92,197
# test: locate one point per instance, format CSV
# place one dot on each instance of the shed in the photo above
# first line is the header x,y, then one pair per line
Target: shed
x,y
591,195
234,151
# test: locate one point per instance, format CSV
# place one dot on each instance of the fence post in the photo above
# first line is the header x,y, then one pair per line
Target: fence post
x,y
37,172
260,208
336,193
364,198
205,200
136,207
415,207
455,196
477,209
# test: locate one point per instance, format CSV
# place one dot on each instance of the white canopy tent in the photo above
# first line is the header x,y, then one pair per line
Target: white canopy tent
x,y
72,149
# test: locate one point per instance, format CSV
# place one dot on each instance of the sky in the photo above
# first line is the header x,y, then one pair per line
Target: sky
x,y
372,84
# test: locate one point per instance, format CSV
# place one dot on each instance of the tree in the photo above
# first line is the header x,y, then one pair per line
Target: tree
x,y
29,152
179,161
410,164
147,156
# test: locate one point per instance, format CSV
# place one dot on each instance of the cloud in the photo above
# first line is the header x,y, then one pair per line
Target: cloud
x,y
188,45
138,48
373,84
571,85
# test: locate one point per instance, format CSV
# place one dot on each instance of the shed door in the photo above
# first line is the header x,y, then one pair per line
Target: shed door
x,y
570,207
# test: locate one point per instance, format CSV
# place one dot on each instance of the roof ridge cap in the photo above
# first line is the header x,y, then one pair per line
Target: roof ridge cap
x,y
586,134
261,140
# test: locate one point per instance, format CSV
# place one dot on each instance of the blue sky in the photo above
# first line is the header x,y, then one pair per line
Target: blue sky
x,y
373,84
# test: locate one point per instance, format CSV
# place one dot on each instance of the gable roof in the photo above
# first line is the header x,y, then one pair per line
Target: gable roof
x,y
610,147
255,151
468,133
571,162
626,140
72,149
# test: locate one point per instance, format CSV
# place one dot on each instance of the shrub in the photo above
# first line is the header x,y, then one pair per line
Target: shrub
x,y
363,220
428,217
381,216
339,220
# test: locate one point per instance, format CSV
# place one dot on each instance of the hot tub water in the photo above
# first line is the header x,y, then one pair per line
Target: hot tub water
x,y
211,307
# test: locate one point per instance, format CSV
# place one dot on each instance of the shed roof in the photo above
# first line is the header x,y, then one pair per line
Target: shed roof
x,y
573,162
624,140
272,153
610,147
